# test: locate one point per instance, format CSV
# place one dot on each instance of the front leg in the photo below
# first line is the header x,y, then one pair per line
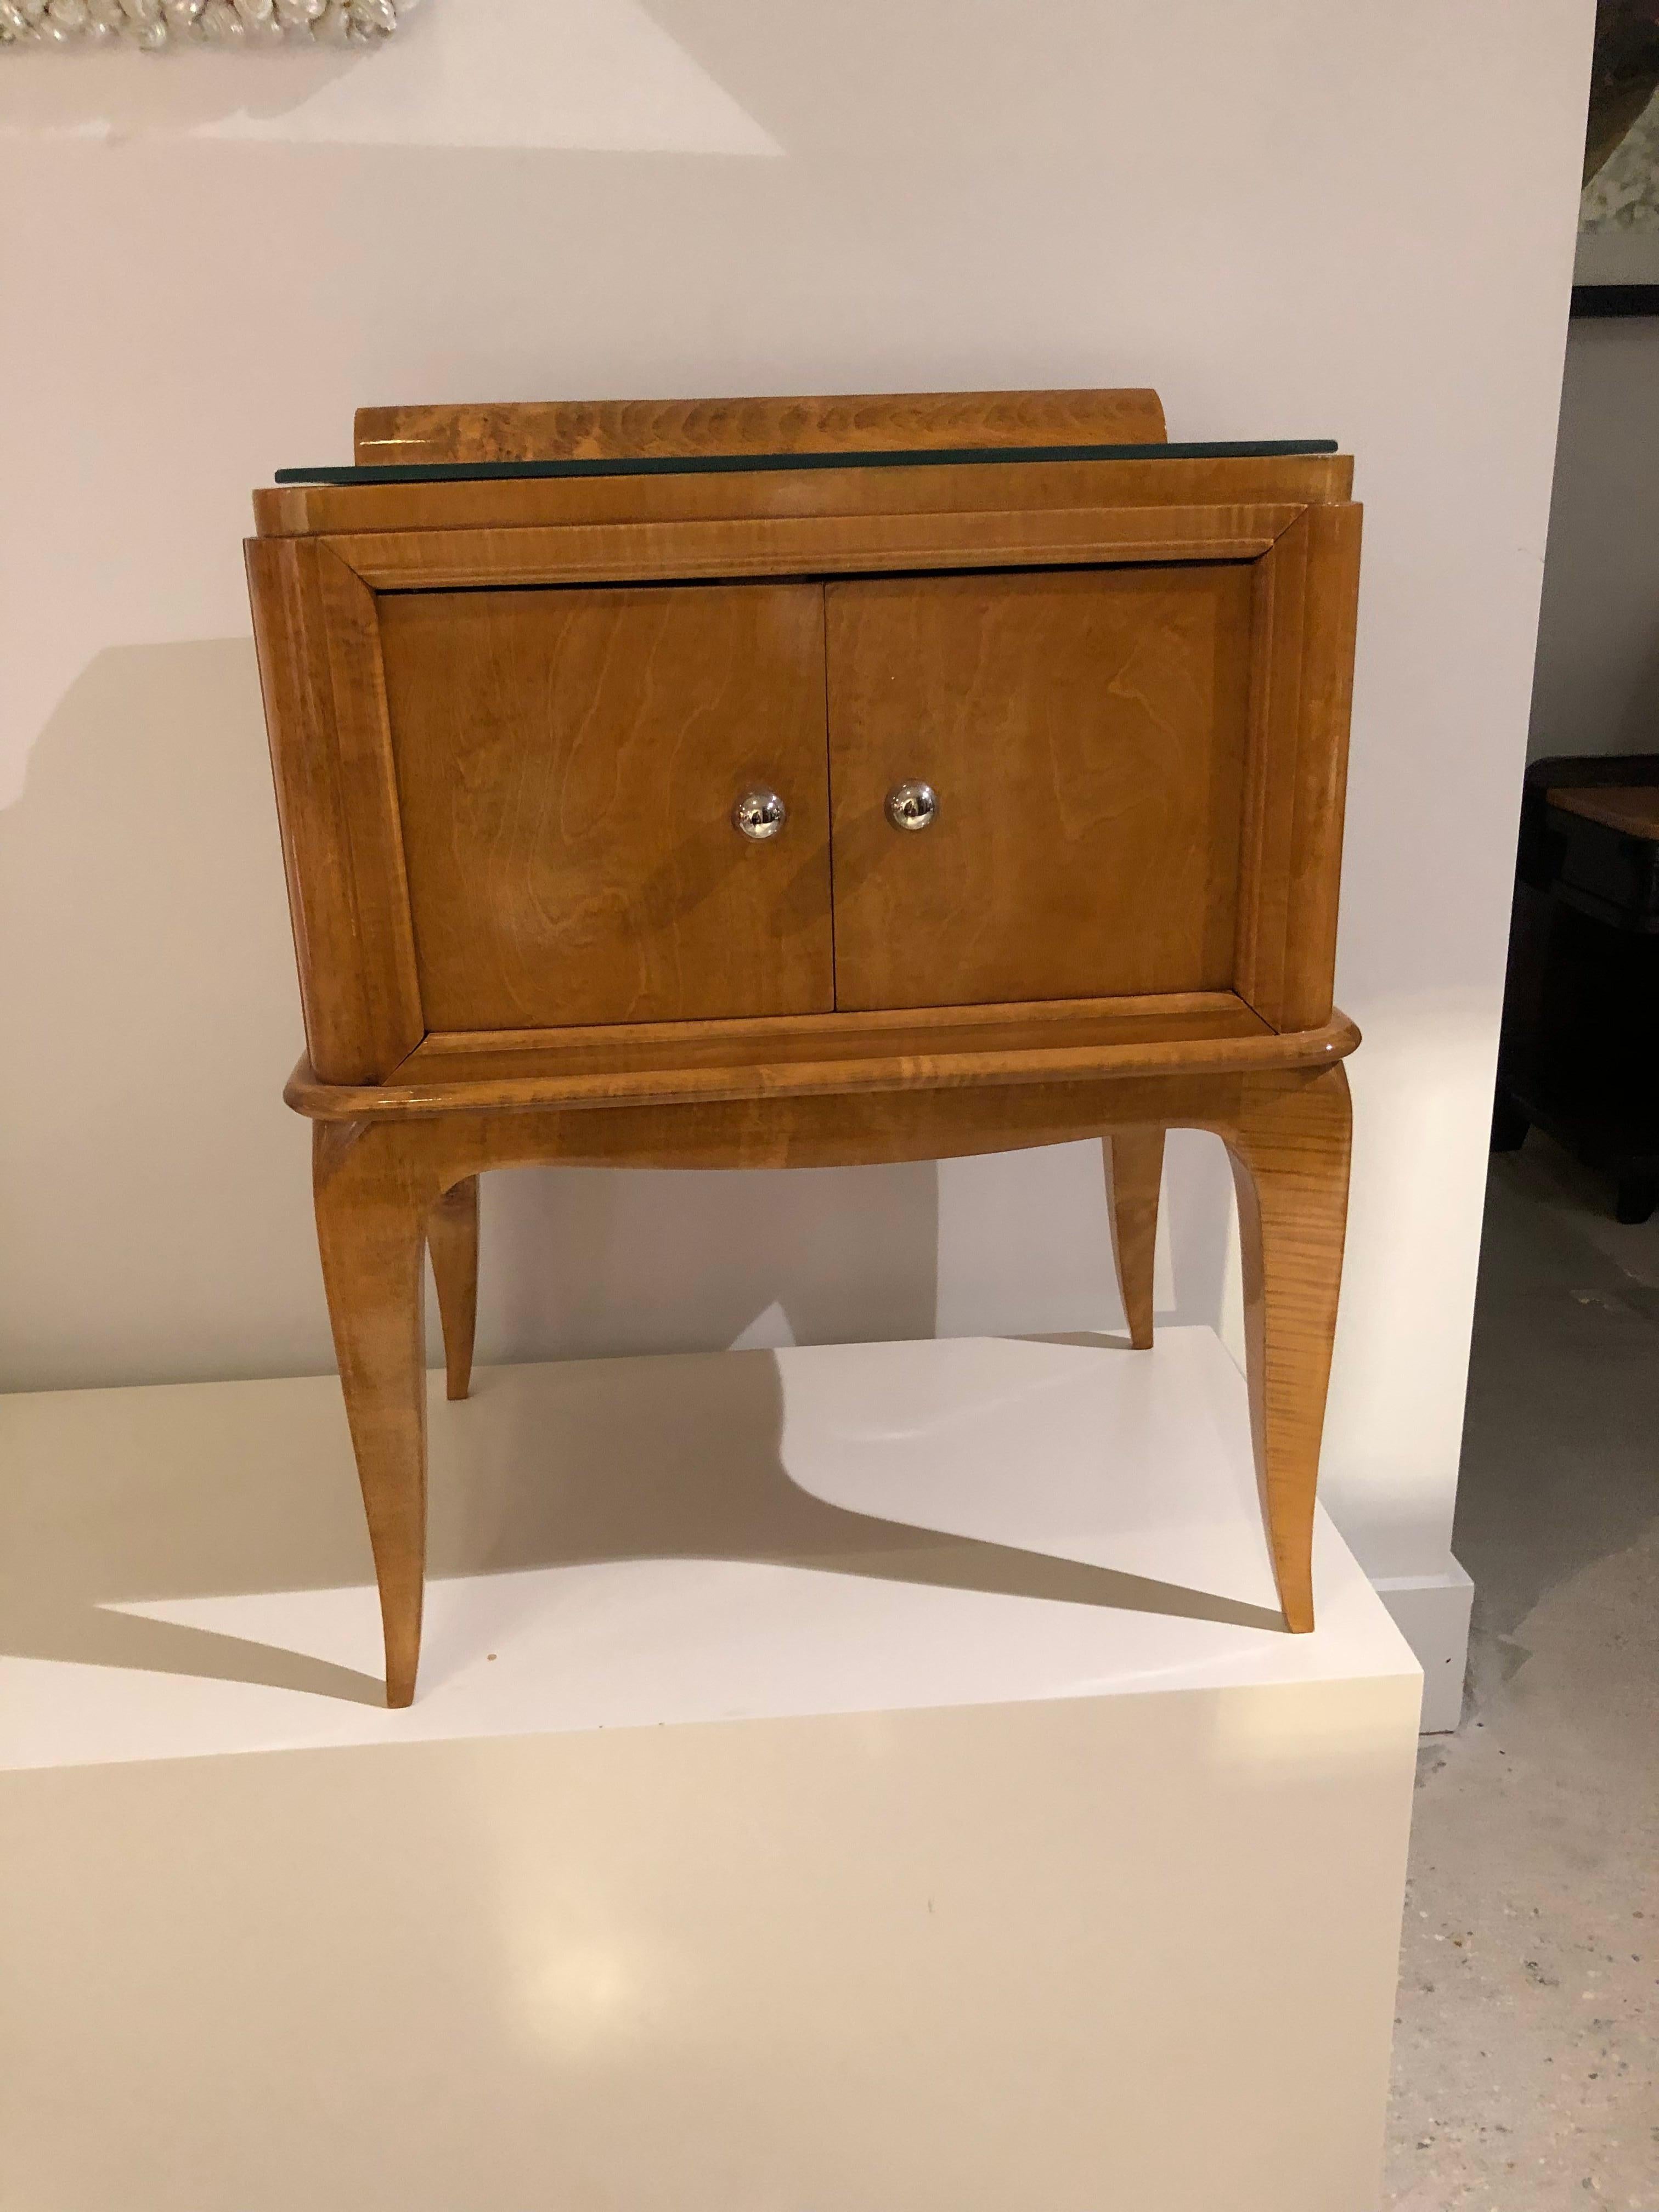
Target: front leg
x,y
371,1218
1290,1149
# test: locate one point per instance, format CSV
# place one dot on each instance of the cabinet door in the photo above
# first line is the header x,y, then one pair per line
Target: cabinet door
x,y
1083,731
566,764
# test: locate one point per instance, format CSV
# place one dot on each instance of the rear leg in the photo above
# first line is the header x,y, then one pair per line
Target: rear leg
x,y
451,1236
1134,1175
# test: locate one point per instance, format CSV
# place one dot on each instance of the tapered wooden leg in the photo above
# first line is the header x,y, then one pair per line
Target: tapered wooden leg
x,y
1134,1175
1290,1156
371,1232
452,1235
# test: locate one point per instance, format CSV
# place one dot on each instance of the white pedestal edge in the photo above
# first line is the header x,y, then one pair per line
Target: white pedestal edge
x,y
1431,1612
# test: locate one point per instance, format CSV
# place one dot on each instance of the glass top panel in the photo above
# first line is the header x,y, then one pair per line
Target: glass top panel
x,y
686,465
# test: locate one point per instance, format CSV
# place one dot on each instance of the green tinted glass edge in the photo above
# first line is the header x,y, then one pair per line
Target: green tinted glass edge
x,y
746,464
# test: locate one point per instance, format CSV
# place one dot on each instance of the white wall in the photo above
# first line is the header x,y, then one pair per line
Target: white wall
x,y
1596,689
1293,217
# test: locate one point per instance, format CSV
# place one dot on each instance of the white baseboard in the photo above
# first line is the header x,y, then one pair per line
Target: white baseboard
x,y
1431,1612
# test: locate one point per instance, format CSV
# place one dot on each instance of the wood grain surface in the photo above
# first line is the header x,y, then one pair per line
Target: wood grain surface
x,y
372,1207
337,804
1139,1022
568,763
1290,1142
610,430
924,1060
621,553
1085,730
1307,593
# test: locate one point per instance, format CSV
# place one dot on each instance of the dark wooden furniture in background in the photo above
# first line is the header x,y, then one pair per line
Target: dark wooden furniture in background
x,y
1580,1050
800,781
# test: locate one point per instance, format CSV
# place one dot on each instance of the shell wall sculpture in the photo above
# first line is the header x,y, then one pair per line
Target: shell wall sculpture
x,y
155,25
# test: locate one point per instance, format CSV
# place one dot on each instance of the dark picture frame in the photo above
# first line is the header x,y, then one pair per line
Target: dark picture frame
x,y
1597,299
1618,271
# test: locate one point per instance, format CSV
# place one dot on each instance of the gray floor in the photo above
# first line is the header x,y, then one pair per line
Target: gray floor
x,y
1526,2052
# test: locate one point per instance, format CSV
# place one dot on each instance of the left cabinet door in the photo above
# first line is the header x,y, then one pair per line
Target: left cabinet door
x,y
567,762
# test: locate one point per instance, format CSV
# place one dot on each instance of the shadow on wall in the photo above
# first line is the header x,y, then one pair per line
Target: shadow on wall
x,y
158,1210
153,1178
576,75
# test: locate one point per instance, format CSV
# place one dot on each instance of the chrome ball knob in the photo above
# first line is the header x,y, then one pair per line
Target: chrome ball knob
x,y
759,814
912,806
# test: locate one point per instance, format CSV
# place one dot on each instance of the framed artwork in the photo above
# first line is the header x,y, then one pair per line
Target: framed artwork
x,y
1617,267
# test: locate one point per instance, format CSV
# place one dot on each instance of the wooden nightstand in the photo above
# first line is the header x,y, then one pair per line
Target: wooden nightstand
x,y
778,783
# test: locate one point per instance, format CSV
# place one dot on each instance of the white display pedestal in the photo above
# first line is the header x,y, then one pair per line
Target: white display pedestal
x,y
746,1849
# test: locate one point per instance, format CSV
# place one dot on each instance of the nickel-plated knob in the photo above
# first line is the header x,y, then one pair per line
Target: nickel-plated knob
x,y
759,814
912,806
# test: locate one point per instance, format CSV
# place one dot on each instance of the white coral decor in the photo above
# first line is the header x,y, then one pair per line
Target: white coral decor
x,y
153,26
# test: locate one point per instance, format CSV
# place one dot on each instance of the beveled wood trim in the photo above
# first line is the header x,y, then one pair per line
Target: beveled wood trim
x,y
615,1050
736,1032
759,1081
873,1128
612,429
458,560
1302,683
319,647
510,504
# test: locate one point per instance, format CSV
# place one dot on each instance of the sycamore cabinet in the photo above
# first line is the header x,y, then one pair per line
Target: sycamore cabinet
x,y
792,782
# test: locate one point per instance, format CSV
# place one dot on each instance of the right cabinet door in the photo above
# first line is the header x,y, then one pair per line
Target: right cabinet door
x,y
1082,732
